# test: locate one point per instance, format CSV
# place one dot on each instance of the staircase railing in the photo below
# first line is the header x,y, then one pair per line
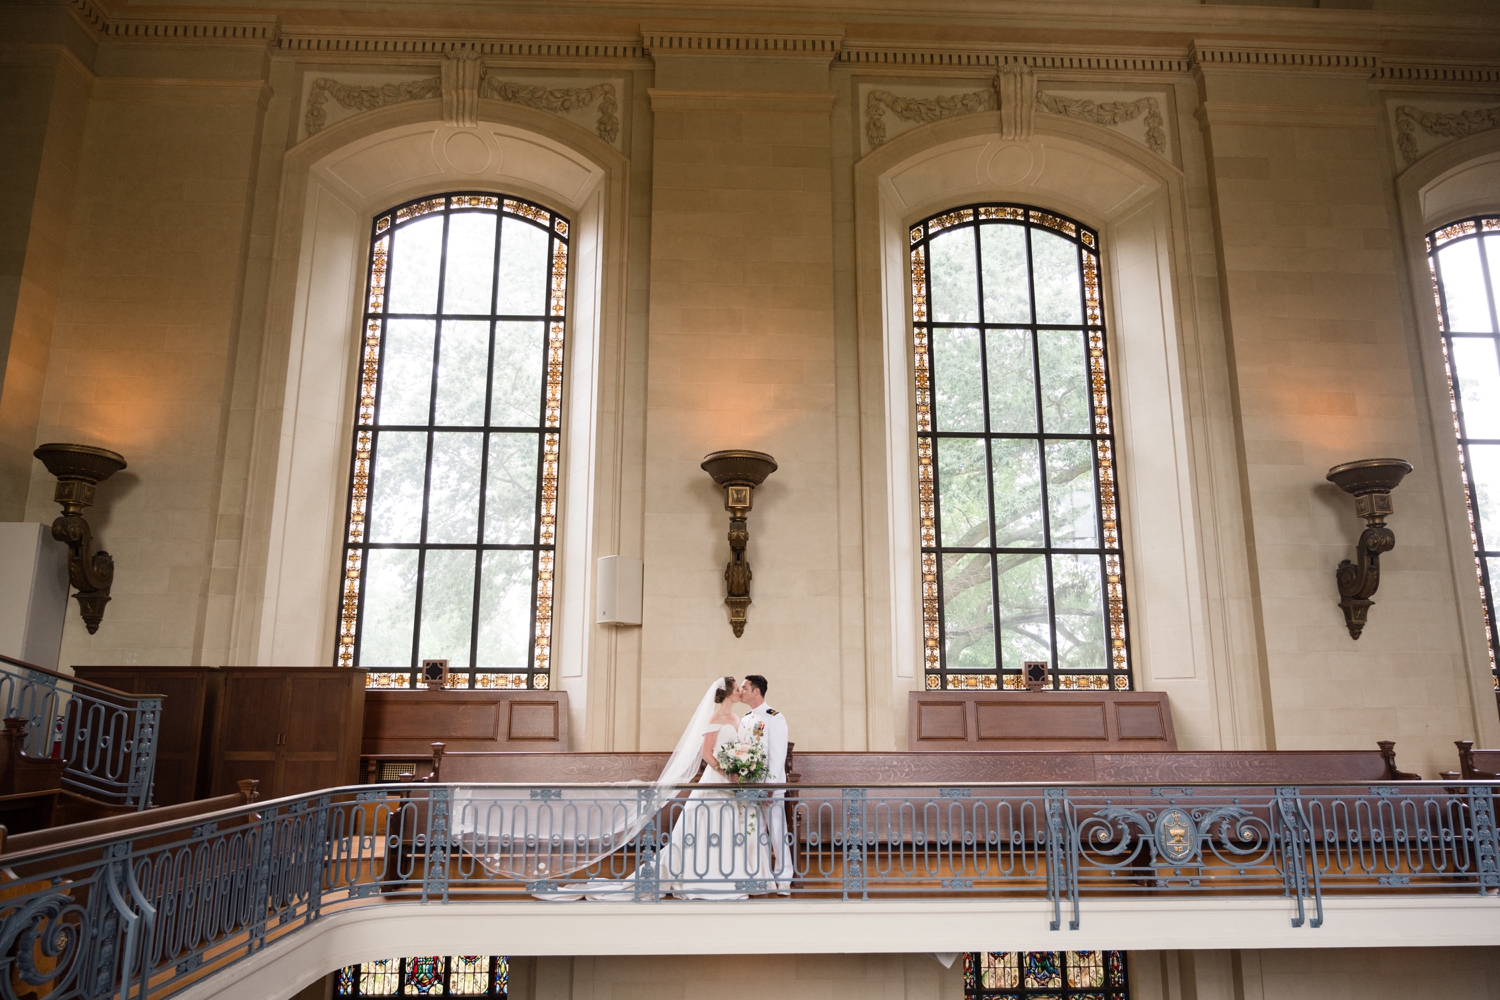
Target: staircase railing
x,y
108,737
154,910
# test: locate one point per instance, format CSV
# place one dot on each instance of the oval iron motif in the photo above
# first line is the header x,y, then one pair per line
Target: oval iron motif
x,y
1176,836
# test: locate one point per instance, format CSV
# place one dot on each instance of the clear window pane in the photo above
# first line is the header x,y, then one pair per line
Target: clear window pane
x,y
1065,381
453,507
1054,261
406,372
516,399
468,281
963,494
389,608
416,262
1007,297
1464,290
396,493
1025,614
1079,600
523,270
464,360
1018,493
1070,495
967,612
1012,381
510,490
505,610
954,277
447,605
959,386
1478,373
1484,481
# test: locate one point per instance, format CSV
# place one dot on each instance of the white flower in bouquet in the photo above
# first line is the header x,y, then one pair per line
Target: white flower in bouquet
x,y
744,760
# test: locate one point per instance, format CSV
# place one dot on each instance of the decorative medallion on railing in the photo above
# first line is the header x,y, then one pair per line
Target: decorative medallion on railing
x,y
1014,89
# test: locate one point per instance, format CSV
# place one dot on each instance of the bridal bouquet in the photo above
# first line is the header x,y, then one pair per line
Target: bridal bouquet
x,y
745,759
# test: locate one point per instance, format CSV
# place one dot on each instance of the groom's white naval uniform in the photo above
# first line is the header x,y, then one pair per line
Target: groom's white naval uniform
x,y
776,738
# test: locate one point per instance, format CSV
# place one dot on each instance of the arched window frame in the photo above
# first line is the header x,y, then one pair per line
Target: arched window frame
x,y
364,458
938,672
1483,232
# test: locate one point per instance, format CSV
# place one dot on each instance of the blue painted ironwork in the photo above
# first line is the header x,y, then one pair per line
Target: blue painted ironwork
x,y
107,737
109,916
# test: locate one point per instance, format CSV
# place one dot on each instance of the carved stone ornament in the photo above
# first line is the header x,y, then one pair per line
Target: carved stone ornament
x,y
1450,125
1014,93
462,82
358,98
559,100
462,72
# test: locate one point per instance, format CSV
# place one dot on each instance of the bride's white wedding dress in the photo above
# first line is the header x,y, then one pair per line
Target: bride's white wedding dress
x,y
720,846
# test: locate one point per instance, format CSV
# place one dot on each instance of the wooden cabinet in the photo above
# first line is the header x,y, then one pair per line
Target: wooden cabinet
x,y
295,729
184,733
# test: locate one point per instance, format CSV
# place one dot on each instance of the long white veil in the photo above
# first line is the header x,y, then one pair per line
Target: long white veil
x,y
543,834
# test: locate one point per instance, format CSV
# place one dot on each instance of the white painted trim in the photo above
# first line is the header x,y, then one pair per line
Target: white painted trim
x,y
786,927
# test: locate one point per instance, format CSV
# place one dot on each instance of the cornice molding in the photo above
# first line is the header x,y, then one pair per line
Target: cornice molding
x,y
411,43
740,102
1437,71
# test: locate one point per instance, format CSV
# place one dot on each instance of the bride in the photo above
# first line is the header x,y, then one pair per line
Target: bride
x,y
720,846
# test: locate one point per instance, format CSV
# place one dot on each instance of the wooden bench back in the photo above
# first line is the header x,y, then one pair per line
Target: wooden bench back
x,y
1477,765
920,768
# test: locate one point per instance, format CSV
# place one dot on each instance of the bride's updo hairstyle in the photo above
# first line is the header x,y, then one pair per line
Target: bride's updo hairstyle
x,y
725,686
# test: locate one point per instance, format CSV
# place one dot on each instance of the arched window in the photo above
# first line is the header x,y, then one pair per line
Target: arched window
x,y
1019,522
1465,262
426,975
1029,975
453,486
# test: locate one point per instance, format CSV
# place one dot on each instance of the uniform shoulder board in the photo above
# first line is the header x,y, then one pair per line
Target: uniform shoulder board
x,y
772,711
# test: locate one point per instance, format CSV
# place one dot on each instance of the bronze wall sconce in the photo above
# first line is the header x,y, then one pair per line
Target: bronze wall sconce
x,y
739,472
1370,482
79,468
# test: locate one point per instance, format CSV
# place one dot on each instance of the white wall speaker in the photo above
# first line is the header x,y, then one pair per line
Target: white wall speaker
x,y
619,590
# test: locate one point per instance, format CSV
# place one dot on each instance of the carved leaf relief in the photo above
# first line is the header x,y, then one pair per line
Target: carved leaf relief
x,y
1444,125
557,100
922,110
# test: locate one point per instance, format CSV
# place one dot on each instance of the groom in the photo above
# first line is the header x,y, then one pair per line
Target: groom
x,y
753,693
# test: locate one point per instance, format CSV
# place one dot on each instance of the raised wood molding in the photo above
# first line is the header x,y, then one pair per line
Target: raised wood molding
x,y
741,102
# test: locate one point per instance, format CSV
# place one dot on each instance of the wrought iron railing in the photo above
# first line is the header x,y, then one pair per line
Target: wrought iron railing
x,y
107,737
153,910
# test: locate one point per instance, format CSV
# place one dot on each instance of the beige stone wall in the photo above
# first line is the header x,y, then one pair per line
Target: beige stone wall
x,y
155,250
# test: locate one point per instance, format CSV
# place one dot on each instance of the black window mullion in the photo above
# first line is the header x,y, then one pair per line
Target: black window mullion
x,y
1041,449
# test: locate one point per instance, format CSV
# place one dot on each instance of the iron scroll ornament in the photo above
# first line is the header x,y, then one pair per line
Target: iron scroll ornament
x,y
1370,481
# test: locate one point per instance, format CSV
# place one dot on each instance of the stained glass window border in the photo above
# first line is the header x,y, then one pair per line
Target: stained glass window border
x,y
365,443
1014,972
414,976
938,674
1473,228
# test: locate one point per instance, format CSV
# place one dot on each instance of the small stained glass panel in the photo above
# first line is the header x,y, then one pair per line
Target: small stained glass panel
x,y
1041,969
426,975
